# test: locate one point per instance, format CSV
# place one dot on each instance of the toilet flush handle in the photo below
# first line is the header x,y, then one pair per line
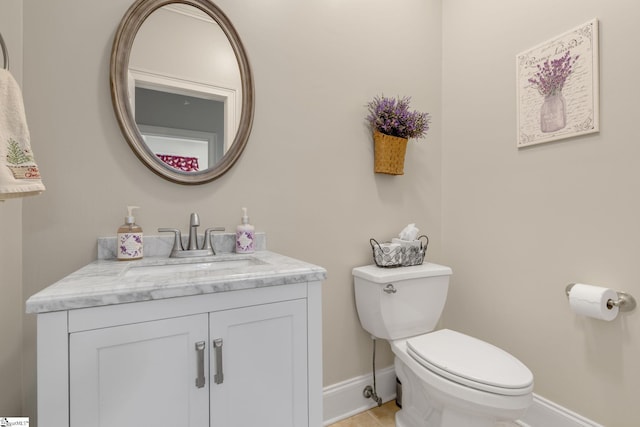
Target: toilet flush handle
x,y
390,289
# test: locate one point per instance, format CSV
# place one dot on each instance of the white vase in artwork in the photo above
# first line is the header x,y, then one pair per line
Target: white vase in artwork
x,y
553,116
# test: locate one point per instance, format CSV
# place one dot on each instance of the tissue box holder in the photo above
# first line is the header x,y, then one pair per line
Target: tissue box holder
x,y
386,255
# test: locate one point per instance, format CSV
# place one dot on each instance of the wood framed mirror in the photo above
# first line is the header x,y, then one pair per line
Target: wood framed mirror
x,y
182,88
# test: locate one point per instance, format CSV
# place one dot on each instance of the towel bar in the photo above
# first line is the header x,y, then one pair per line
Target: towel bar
x,y
5,52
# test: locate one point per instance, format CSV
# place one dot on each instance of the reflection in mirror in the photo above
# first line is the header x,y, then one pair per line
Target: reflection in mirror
x,y
179,126
184,94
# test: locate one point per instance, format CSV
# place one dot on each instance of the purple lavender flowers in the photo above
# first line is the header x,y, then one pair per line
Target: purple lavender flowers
x,y
391,116
551,76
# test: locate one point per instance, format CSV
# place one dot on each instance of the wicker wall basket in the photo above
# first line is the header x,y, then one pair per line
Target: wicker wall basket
x,y
389,153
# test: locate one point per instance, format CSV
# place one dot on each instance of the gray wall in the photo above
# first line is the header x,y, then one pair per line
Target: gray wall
x,y
520,224
11,307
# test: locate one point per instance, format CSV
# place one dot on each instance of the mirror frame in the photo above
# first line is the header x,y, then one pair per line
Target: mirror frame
x,y
118,79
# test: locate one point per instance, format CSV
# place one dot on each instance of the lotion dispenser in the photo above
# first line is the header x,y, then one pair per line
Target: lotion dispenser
x,y
130,240
245,234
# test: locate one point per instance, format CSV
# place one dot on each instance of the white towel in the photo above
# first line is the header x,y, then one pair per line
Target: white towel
x,y
19,173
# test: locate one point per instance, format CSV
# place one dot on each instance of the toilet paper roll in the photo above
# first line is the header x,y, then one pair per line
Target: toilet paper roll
x,y
591,301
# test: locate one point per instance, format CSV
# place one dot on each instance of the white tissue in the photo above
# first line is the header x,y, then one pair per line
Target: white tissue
x,y
410,232
591,301
407,243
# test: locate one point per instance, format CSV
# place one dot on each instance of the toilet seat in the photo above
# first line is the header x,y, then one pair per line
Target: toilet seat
x,y
471,362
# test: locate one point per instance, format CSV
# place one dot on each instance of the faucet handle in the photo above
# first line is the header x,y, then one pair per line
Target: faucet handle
x,y
177,241
206,245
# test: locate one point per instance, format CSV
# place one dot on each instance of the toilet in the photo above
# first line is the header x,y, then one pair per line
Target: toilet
x,y
448,379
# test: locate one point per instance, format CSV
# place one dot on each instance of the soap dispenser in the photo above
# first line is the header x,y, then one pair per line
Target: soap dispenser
x,y
245,235
130,239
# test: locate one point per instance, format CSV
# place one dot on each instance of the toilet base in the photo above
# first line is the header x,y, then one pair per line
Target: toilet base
x,y
422,409
424,405
403,419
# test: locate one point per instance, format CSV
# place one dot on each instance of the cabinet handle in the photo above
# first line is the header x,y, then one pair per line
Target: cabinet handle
x,y
217,345
200,365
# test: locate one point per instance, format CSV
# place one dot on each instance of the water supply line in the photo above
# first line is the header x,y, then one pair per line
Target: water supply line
x,y
368,391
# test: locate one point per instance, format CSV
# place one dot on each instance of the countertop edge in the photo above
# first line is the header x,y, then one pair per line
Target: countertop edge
x,y
73,292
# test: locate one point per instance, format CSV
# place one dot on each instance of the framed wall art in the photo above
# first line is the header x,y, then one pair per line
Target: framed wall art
x,y
557,87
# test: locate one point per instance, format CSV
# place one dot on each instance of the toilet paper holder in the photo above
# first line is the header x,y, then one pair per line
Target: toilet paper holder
x,y
625,301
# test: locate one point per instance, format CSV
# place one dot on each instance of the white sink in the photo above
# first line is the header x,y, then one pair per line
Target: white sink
x,y
192,267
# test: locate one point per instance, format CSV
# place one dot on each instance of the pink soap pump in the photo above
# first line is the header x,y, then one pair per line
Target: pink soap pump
x,y
245,233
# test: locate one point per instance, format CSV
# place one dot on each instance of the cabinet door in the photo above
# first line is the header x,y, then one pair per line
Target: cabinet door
x,y
142,374
263,362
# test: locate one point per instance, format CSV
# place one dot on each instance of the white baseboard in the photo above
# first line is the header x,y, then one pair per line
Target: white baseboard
x,y
544,413
345,399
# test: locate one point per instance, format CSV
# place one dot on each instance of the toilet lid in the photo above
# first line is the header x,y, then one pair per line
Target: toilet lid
x,y
471,362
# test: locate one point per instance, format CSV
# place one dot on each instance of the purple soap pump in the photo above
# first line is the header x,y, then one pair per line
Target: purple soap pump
x,y
245,234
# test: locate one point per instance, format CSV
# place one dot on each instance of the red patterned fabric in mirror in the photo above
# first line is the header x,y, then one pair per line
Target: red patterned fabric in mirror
x,y
186,164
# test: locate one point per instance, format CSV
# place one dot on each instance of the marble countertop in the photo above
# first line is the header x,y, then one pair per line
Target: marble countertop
x,y
108,281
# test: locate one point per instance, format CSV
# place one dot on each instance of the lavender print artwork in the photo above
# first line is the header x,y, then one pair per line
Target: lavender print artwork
x,y
551,76
557,87
549,81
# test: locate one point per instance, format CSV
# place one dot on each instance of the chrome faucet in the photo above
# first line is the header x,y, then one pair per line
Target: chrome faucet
x,y
178,250
194,223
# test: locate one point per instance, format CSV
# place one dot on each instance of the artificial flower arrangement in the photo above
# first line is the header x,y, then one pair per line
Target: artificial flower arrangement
x,y
391,116
393,123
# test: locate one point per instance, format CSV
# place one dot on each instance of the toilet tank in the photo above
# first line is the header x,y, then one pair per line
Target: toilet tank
x,y
401,302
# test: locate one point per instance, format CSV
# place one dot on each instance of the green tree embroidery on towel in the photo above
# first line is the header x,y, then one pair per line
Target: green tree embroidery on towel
x,y
16,155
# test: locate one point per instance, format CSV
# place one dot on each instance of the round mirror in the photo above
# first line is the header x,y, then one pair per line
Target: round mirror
x,y
181,88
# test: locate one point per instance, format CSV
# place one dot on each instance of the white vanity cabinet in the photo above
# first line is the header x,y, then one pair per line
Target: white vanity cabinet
x,y
238,367
243,357
262,380
139,374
